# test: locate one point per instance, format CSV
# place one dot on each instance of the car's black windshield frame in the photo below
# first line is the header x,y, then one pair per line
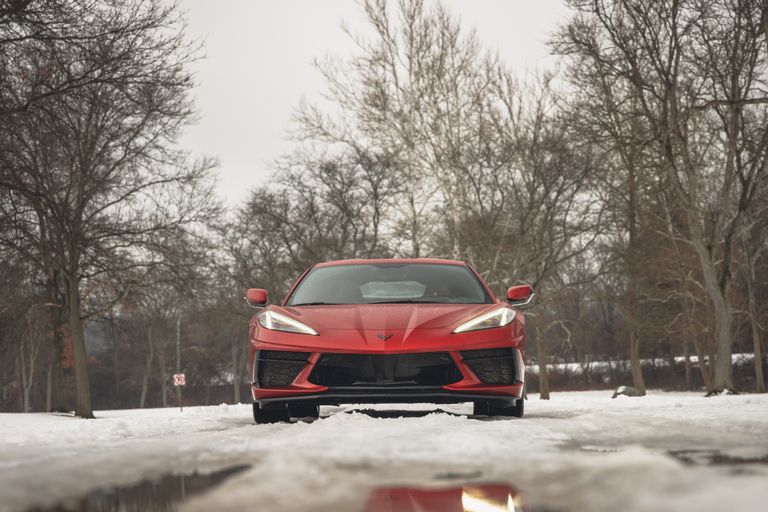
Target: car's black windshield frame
x,y
487,298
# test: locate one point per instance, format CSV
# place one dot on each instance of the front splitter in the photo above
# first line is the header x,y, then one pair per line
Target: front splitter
x,y
336,396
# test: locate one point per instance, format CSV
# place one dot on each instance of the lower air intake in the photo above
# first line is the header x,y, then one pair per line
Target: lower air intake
x,y
492,366
275,368
420,369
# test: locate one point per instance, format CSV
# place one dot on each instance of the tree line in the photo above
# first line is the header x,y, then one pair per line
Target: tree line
x,y
628,185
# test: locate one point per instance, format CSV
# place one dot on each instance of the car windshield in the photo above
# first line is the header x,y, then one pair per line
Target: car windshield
x,y
389,283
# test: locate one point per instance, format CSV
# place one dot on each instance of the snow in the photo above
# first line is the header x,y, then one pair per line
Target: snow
x,y
578,451
739,359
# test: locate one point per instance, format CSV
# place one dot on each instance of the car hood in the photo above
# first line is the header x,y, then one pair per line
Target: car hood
x,y
385,317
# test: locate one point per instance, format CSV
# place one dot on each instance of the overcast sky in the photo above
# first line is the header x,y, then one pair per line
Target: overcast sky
x,y
258,66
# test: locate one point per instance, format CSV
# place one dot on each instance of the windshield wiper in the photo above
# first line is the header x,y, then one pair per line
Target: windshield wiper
x,y
318,304
408,301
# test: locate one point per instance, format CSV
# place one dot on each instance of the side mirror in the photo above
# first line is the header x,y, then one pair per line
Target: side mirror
x,y
256,297
520,295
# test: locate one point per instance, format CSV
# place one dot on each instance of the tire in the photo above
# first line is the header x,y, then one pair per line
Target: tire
x,y
489,408
515,411
272,413
303,410
481,408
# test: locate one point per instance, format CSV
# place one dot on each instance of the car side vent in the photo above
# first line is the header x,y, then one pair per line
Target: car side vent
x,y
276,368
493,365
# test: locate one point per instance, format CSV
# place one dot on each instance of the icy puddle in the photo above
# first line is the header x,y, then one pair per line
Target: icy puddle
x,y
715,458
162,494
470,497
474,497
735,465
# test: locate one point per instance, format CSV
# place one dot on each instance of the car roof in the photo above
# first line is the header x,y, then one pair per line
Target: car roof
x,y
390,260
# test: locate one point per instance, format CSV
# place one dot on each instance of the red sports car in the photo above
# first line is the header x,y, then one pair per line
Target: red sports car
x,y
387,331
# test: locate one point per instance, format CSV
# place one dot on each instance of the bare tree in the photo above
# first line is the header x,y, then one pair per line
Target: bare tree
x,y
416,91
97,164
38,38
697,71
604,115
489,164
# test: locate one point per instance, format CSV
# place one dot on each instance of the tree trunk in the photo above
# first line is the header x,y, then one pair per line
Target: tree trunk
x,y
541,350
612,372
706,373
236,370
687,362
456,217
48,388
638,381
116,402
163,377
34,348
55,401
717,292
27,406
635,365
723,363
20,381
672,369
414,220
586,370
24,376
765,22
30,342
756,342
147,368
57,319
83,407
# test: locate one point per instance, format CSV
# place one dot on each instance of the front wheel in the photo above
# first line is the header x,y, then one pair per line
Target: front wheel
x,y
488,408
301,409
271,413
515,411
481,408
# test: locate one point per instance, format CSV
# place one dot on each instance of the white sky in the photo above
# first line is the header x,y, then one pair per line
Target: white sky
x,y
258,66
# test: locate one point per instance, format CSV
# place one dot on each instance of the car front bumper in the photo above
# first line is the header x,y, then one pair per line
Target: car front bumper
x,y
327,378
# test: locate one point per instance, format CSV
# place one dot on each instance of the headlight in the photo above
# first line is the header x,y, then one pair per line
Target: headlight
x,y
496,318
278,322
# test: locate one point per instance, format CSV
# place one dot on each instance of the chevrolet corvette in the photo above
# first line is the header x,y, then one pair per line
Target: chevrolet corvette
x,y
387,331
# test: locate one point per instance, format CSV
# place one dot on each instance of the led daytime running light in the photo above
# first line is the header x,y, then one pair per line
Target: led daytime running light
x,y
496,318
277,322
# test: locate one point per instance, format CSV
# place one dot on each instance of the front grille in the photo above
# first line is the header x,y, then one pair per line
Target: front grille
x,y
493,365
421,369
278,368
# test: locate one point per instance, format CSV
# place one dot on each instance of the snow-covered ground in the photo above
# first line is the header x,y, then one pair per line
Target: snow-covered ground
x,y
579,451
738,359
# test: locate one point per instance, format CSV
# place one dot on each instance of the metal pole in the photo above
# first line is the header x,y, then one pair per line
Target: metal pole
x,y
178,359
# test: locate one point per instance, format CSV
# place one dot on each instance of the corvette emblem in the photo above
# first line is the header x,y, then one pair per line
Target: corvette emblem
x,y
383,337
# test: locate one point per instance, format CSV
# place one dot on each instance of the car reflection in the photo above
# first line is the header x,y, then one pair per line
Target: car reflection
x,y
466,498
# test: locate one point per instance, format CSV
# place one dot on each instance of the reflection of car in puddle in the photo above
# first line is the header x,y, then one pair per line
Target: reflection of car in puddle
x,y
467,498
